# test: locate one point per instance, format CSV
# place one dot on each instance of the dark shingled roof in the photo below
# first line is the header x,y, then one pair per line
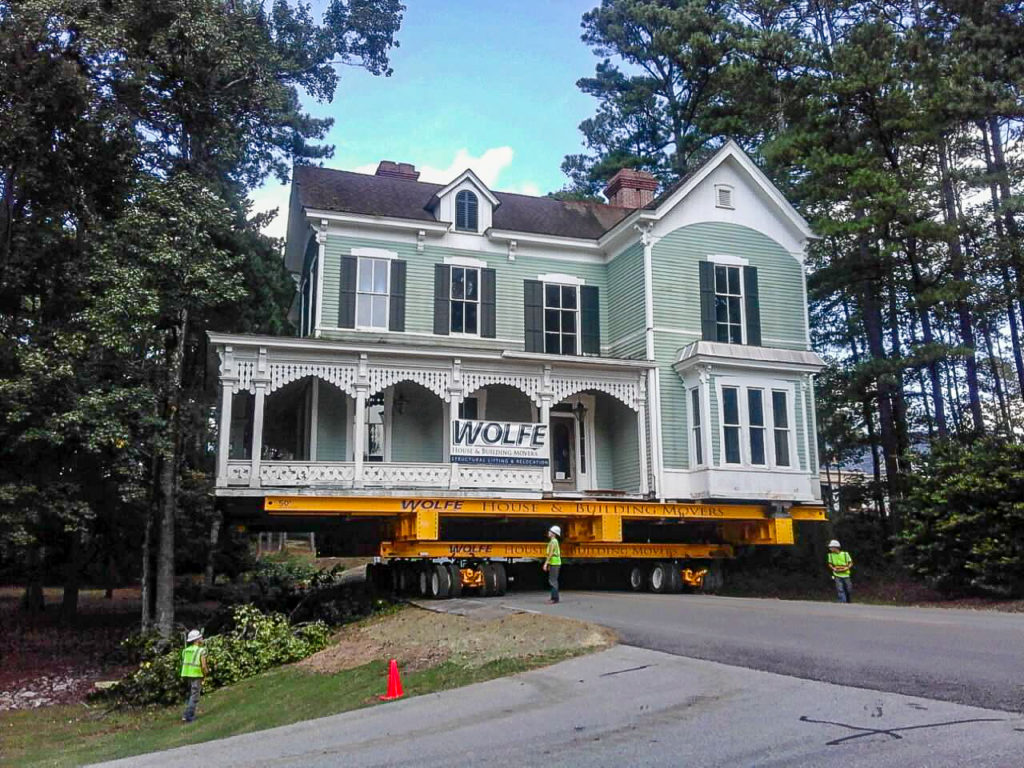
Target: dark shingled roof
x,y
329,190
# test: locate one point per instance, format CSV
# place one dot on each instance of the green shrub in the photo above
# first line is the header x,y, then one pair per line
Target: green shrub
x,y
964,518
255,643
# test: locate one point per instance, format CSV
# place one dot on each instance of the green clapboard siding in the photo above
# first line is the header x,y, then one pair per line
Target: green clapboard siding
x,y
419,312
331,424
626,302
674,421
675,259
618,457
417,432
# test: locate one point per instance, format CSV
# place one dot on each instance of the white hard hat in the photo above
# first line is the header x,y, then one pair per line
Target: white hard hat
x,y
194,635
555,530
833,543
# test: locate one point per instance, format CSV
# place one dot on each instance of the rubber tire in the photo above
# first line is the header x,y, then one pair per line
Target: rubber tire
x,y
439,582
407,579
675,585
502,579
490,580
456,578
636,579
423,572
659,578
714,580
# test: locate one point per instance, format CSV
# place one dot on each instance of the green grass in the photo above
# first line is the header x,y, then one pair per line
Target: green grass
x,y
67,736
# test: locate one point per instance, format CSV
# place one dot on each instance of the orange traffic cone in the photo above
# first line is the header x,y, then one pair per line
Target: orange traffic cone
x,y
394,683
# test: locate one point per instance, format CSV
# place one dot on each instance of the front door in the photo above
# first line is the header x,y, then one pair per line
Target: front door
x,y
563,452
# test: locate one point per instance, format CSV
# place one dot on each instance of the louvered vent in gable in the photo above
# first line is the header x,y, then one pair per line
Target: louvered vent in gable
x,y
723,196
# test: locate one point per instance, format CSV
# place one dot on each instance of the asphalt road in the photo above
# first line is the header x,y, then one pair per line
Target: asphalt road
x,y
633,707
968,657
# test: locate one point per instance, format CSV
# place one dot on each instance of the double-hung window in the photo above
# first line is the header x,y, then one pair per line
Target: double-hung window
x,y
695,427
756,426
372,293
780,422
729,303
465,300
561,319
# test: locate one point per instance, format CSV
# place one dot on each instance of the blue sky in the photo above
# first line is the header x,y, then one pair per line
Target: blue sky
x,y
488,85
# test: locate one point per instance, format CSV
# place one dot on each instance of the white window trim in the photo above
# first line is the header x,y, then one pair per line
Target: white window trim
x,y
578,311
374,253
465,261
728,260
452,299
767,386
386,295
561,279
743,300
732,200
703,427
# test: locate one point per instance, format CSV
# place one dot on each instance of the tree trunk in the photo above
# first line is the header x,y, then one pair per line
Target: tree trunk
x,y
72,572
211,554
33,602
899,402
168,448
997,380
963,312
147,574
928,336
1003,180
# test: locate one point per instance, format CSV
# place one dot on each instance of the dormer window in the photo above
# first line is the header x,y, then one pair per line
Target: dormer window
x,y
466,207
723,196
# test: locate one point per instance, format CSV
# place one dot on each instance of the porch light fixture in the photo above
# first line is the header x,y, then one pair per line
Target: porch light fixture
x,y
399,403
579,411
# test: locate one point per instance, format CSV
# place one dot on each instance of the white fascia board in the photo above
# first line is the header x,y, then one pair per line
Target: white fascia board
x,y
387,222
475,180
576,243
732,150
239,341
579,360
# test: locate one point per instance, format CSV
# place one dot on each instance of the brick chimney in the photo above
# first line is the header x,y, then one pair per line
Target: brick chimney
x,y
631,189
394,170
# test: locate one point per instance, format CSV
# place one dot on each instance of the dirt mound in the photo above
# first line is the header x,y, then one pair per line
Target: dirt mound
x,y
419,639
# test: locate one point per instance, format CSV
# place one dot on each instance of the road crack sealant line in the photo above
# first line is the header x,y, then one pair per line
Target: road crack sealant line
x,y
893,731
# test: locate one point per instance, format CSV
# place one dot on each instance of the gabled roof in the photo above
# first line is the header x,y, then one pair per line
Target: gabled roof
x,y
324,189
474,180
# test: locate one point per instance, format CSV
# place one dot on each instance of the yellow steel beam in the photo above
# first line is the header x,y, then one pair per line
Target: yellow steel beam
x,y
421,525
778,530
604,528
471,549
386,506
808,513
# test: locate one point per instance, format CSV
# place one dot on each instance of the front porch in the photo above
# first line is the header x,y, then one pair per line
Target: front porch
x,y
315,417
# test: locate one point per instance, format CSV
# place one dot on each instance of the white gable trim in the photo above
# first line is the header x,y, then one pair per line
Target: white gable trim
x,y
732,150
468,175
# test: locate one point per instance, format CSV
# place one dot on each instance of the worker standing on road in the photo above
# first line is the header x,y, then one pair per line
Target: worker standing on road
x,y
553,562
841,565
194,668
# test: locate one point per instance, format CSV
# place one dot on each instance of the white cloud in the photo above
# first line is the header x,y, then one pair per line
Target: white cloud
x,y
488,166
272,195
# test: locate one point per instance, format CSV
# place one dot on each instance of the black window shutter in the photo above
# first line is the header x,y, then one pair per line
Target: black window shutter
x,y
752,307
347,294
488,291
707,301
590,320
533,319
396,319
442,299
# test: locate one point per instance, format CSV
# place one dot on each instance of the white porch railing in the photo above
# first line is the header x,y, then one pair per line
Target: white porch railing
x,y
414,475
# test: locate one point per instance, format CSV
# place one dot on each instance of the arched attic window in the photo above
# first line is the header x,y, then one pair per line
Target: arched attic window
x,y
466,207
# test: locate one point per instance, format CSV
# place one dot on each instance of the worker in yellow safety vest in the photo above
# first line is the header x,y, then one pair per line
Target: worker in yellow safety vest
x,y
194,668
841,565
553,562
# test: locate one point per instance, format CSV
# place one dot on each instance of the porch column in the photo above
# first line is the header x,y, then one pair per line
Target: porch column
x,y
257,433
451,411
545,418
224,434
641,430
359,436
314,418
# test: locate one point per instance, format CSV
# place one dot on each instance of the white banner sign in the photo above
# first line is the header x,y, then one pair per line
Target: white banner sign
x,y
499,442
